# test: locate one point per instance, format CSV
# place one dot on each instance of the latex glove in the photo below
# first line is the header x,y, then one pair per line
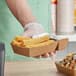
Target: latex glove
x,y
33,30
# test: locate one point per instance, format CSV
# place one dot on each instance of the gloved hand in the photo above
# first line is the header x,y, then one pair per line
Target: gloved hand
x,y
34,30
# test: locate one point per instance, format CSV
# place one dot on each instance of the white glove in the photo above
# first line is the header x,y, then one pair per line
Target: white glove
x,y
34,30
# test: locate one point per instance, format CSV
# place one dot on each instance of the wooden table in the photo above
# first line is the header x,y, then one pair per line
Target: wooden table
x,y
31,68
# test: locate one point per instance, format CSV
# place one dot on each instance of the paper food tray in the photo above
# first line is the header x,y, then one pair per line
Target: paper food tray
x,y
65,71
35,51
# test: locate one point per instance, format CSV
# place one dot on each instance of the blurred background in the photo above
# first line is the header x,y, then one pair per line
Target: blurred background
x,y
10,27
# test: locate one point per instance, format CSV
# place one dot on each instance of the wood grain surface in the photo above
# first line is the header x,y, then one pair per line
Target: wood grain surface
x,y
31,68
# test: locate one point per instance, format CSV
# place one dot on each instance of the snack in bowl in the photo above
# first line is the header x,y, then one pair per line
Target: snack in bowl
x,y
67,66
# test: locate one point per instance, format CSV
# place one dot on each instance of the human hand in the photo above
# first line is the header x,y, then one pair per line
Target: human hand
x,y
35,30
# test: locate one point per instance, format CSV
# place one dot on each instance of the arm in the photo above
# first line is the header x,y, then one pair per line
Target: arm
x,y
21,11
